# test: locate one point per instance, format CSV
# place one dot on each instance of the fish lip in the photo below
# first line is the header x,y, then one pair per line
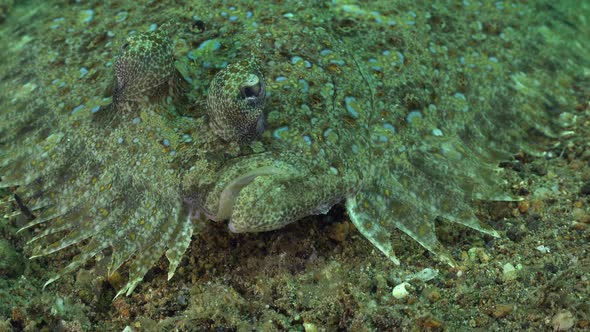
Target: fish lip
x,y
232,227
230,193
233,189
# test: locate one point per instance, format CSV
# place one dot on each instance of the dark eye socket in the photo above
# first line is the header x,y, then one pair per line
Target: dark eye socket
x,y
251,91
124,47
253,95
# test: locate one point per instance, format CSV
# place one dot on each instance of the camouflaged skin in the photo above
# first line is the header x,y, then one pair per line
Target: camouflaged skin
x,y
368,116
145,68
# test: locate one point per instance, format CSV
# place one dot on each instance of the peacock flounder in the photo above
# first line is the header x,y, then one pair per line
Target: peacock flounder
x,y
309,113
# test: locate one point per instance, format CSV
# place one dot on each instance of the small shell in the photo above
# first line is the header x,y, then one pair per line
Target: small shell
x,y
235,102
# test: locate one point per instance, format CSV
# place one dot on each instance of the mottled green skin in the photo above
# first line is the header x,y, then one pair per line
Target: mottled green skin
x,y
145,68
342,126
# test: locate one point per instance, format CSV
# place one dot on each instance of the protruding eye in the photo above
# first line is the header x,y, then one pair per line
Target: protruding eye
x,y
235,103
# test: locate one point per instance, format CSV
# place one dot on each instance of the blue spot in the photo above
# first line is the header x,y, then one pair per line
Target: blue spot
x,y
413,115
389,127
437,132
327,133
494,59
110,34
277,133
348,102
57,22
462,60
166,142
211,45
136,121
120,140
233,18
401,57
88,15
391,23
153,27
78,108
121,16
248,14
355,148
280,79
296,59
325,52
173,152
95,109
307,139
459,95
386,53
54,81
305,86
83,72
383,138
186,138
224,14
136,140
338,62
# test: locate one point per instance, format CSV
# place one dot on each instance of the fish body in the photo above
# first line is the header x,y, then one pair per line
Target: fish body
x,y
300,115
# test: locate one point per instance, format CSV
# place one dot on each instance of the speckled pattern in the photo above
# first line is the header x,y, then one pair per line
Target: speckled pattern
x,y
145,68
361,113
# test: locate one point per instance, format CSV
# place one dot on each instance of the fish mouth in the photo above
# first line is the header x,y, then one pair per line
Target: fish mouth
x,y
232,191
234,229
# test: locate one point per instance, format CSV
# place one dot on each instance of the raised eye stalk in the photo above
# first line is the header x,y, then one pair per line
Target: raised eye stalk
x,y
235,103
